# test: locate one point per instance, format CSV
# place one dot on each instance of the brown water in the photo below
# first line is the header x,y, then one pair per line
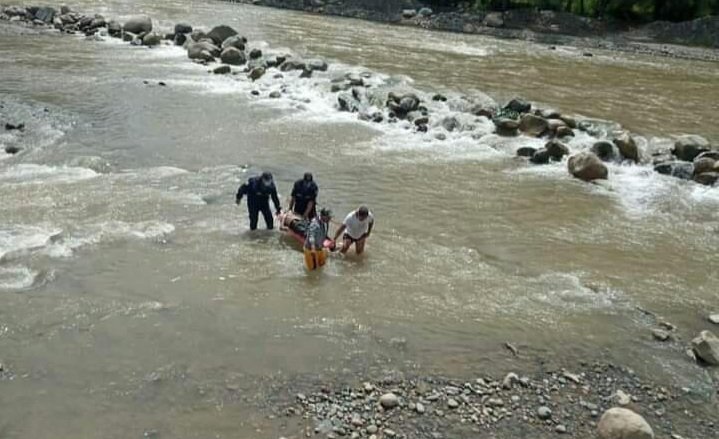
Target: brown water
x,y
133,298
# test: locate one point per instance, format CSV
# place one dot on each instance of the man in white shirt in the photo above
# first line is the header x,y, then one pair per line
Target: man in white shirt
x,y
356,227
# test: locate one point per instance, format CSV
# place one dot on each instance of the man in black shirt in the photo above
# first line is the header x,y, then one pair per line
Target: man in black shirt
x,y
304,197
258,191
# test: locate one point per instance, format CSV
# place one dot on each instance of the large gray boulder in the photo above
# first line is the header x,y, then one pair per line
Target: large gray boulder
x,y
621,423
233,56
688,147
706,347
220,33
532,125
152,39
587,166
236,41
627,147
138,24
183,28
46,14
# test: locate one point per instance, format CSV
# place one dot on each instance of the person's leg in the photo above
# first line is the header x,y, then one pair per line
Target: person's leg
x,y
359,246
321,258
346,244
309,259
267,214
253,211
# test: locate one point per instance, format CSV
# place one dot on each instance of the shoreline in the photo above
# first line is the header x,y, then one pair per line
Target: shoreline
x,y
637,41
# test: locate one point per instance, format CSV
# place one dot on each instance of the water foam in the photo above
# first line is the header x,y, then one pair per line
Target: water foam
x,y
17,278
24,174
19,241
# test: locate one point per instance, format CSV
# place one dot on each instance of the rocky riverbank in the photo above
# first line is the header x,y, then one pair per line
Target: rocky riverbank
x,y
588,145
698,39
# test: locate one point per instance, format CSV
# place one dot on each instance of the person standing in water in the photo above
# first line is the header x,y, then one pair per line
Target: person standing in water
x,y
357,227
317,234
259,190
303,200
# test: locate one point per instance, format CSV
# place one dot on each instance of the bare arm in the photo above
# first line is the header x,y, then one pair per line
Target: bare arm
x,y
339,231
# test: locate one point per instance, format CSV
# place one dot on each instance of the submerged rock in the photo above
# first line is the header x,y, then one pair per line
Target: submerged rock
x,y
621,423
540,157
605,151
676,169
587,166
526,151
222,70
556,149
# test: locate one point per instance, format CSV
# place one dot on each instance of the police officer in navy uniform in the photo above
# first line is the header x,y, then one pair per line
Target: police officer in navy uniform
x,y
259,190
303,199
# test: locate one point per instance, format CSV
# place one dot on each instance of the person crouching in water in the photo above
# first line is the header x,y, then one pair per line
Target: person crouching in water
x,y
357,227
317,234
258,191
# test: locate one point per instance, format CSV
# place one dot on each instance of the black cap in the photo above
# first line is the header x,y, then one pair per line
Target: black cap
x,y
267,175
308,176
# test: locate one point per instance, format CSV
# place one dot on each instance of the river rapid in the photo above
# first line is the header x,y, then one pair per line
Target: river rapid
x,y
134,299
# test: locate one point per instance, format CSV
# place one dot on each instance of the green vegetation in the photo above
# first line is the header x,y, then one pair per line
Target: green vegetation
x,y
628,10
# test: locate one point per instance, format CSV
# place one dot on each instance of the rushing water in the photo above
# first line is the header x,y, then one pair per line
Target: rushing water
x,y
133,297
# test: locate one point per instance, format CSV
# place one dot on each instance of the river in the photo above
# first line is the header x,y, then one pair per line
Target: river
x,y
133,296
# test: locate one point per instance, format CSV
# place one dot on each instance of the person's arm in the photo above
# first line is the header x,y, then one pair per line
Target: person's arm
x,y
276,199
292,198
242,191
339,231
369,229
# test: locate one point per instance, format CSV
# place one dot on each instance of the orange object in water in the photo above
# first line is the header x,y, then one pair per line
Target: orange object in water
x,y
315,259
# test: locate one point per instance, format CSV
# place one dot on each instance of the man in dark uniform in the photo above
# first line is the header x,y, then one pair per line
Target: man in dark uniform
x,y
304,197
258,191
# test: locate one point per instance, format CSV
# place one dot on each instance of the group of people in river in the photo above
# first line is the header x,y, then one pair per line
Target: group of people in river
x,y
302,218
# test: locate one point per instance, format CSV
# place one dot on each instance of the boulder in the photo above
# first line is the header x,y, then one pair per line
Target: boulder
x,y
519,105
401,105
707,178
275,95
556,149
688,147
682,170
199,52
46,15
235,41
532,125
152,39
64,9
256,73
570,121
220,33
587,166
233,56
494,19
703,164
347,102
526,151
564,131
605,151
114,29
709,154
208,46
706,347
138,24
198,35
389,400
621,423
627,147
540,157
425,12
180,39
409,13
506,126
317,64
183,28
222,70
293,64
128,37
255,54
11,149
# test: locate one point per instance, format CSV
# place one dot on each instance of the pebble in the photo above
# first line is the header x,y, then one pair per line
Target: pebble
x,y
419,407
622,399
544,412
452,403
389,400
389,433
714,318
372,429
660,334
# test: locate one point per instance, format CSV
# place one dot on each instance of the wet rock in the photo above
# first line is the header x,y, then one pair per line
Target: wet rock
x,y
293,64
425,12
128,37
220,33
233,56
180,39
681,170
422,120
255,54
198,51
707,178
114,29
222,70
46,14
452,403
494,19
544,412
709,154
11,127
307,73
703,164
138,24
532,125
509,380
409,13
526,151
419,408
152,39
317,65
688,147
556,149
561,429
627,147
605,151
450,123
587,166
12,150
540,157
389,400
402,105
506,126
620,423
275,95
706,347
439,98
235,41
519,105
621,398
256,73
660,334
714,318
183,28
